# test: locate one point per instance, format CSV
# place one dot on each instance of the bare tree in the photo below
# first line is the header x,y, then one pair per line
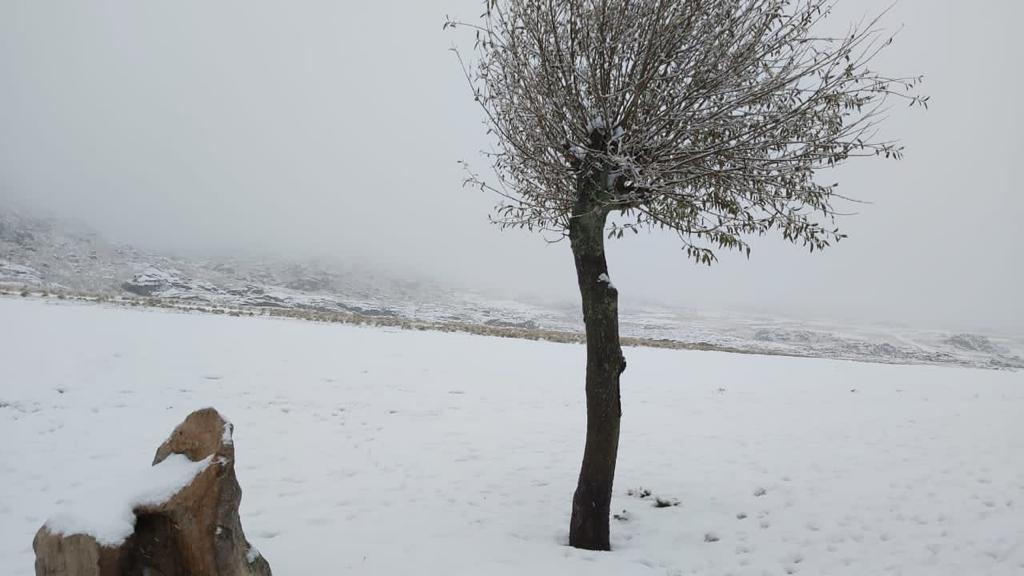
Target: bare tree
x,y
711,118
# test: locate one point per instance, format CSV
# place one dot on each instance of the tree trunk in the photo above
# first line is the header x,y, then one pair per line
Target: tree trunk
x,y
592,502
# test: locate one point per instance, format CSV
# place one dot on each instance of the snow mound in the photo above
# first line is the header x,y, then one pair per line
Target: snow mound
x,y
152,281
975,343
108,515
18,274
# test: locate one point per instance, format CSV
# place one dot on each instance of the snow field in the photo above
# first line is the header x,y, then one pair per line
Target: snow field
x,y
376,451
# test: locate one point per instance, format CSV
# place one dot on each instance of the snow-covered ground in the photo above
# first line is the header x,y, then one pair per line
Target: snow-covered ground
x,y
376,451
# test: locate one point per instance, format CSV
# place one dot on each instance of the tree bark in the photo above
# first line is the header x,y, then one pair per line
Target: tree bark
x,y
591,504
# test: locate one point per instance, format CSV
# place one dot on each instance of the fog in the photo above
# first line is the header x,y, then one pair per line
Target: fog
x,y
326,129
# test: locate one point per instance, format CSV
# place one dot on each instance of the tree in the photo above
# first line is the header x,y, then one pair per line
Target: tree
x,y
715,119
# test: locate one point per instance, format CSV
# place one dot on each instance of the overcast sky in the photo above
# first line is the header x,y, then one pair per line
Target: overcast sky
x,y
332,129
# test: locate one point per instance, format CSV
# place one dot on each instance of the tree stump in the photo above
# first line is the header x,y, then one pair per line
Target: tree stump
x,y
186,529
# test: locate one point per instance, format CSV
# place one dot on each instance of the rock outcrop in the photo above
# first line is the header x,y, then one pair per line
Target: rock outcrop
x,y
190,530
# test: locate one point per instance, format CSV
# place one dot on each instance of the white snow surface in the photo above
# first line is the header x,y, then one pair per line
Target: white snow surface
x,y
107,514
606,280
377,451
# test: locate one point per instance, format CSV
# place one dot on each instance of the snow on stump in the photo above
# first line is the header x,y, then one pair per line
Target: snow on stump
x,y
178,518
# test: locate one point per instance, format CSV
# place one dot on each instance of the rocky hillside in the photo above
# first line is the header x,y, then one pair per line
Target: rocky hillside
x,y
44,255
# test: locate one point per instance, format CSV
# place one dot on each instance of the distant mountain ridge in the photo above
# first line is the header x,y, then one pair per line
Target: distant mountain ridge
x,y
48,255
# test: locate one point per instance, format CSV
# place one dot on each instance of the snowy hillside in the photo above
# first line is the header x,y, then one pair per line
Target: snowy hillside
x,y
379,451
43,255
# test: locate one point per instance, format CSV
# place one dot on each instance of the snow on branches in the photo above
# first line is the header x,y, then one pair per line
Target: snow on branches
x,y
711,118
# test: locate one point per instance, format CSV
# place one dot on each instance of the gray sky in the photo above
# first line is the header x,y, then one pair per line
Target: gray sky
x,y
332,129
